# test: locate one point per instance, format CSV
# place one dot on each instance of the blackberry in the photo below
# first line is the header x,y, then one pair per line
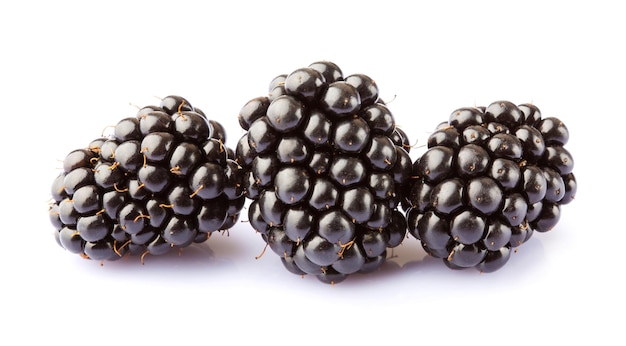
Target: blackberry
x,y
491,176
326,171
164,179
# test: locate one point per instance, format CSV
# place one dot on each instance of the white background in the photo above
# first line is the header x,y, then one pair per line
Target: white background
x,y
70,69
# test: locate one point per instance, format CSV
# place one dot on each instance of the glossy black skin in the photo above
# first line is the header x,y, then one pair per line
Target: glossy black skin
x,y
435,164
447,137
305,84
127,129
192,127
293,150
324,194
472,160
340,99
263,169
532,142
462,118
505,113
553,131
128,155
329,169
285,113
172,104
165,179
292,184
78,158
351,135
154,121
253,110
380,120
262,137
365,86
447,196
490,178
531,112
329,70
77,178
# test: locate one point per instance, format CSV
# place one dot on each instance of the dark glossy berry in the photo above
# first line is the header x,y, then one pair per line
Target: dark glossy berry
x,y
461,118
78,158
475,134
157,146
192,127
207,181
128,155
329,70
559,158
77,178
447,196
262,137
569,180
357,204
553,131
382,152
292,150
185,157
324,194
472,160
435,164
253,110
347,170
127,129
285,113
447,137
154,178
505,145
292,184
380,120
489,178
548,217
505,113
163,180
533,143
172,104
351,135
365,86
534,184
532,114
155,121
340,99
317,129
306,84
94,227
401,139
327,170
87,199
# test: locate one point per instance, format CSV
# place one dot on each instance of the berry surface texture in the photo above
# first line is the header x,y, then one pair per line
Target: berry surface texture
x,y
326,171
164,179
490,178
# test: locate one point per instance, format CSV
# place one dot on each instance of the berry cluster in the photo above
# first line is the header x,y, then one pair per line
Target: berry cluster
x,y
163,180
328,177
489,178
327,169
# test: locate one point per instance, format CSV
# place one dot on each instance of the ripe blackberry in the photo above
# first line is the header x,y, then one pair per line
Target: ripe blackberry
x,y
326,170
490,177
164,179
